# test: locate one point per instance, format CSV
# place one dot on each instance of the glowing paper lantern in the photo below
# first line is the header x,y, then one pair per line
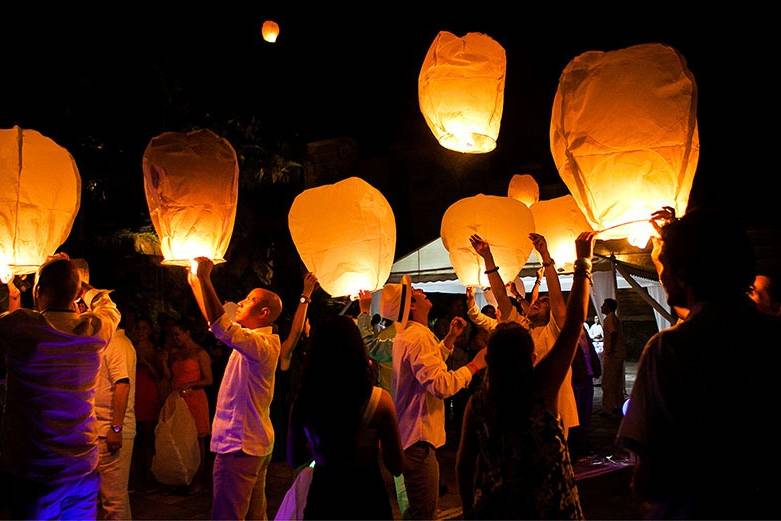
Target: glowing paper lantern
x,y
40,193
346,235
560,221
624,136
270,31
525,189
191,180
503,222
461,91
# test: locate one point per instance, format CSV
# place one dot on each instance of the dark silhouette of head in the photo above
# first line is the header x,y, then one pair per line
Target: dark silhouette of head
x,y
705,256
610,305
510,360
337,383
57,285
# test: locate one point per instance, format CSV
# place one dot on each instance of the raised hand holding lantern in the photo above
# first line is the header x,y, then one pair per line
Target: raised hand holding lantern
x,y
560,221
461,91
624,136
40,197
504,223
191,180
346,235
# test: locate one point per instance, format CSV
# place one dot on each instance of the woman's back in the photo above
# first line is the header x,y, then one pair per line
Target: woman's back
x,y
523,470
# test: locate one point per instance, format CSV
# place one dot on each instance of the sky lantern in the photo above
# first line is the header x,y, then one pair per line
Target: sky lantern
x,y
270,31
503,222
40,194
624,136
346,235
524,188
560,221
191,180
461,91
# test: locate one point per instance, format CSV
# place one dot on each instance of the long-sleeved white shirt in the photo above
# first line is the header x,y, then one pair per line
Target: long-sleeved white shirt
x,y
53,359
421,382
241,419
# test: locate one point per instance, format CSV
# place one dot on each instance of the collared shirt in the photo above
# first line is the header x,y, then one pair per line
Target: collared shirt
x,y
421,382
50,431
379,346
700,410
117,362
543,338
241,420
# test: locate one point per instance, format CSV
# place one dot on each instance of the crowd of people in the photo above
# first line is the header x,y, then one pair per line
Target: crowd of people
x,y
367,401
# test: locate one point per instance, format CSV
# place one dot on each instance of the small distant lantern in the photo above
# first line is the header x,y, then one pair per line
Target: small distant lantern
x,y
346,235
461,91
525,189
41,194
624,136
560,221
503,222
191,180
270,31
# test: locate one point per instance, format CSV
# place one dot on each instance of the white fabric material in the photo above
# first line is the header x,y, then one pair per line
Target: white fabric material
x,y
603,285
421,381
658,294
117,362
52,362
241,419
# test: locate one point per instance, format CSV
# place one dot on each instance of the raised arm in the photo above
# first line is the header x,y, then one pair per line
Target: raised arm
x,y
100,304
14,296
379,350
552,370
204,292
537,284
558,307
290,343
492,270
478,318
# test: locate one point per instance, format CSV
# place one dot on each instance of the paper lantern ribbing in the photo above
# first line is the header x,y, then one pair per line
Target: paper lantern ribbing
x,y
525,189
560,221
503,222
270,31
624,136
40,197
191,180
461,91
346,235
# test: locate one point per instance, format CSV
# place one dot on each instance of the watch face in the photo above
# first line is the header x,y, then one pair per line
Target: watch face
x,y
116,428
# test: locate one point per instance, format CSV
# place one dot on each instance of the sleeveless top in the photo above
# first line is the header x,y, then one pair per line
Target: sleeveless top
x,y
526,473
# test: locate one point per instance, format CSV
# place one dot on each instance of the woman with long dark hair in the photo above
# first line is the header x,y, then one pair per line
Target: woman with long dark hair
x,y
344,420
513,461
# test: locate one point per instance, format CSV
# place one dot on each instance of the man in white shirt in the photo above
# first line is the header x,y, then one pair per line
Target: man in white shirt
x,y
242,434
115,410
421,382
50,446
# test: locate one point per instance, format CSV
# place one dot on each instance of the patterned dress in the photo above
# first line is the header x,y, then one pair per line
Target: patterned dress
x,y
525,474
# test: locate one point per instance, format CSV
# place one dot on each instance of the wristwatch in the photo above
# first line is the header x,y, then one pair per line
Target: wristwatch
x,y
116,428
304,299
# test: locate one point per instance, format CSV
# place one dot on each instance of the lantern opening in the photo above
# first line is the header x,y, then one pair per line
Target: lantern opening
x,y
467,142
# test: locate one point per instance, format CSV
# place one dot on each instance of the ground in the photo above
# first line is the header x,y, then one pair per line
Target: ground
x,y
603,481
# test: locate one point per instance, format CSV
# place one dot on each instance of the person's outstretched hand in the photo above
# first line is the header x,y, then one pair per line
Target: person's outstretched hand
x,y
310,284
481,247
584,245
470,297
203,267
365,301
541,245
666,215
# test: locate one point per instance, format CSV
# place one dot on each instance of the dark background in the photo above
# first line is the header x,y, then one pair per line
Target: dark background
x,y
337,96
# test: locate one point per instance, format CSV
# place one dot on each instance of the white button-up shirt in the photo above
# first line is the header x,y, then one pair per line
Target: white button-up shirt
x,y
117,362
421,382
53,359
241,421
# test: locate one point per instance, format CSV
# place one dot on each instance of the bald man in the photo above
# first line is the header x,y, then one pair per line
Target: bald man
x,y
242,434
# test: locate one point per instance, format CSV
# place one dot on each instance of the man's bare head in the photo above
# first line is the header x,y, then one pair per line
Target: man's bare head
x,y
260,308
57,285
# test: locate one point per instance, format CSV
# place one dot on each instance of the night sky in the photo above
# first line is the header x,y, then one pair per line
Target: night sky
x,y
104,85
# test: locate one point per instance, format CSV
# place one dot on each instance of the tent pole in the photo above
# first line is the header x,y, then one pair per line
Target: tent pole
x,y
642,291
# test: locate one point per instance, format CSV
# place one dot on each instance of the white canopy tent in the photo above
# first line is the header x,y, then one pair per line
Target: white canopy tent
x,y
431,271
